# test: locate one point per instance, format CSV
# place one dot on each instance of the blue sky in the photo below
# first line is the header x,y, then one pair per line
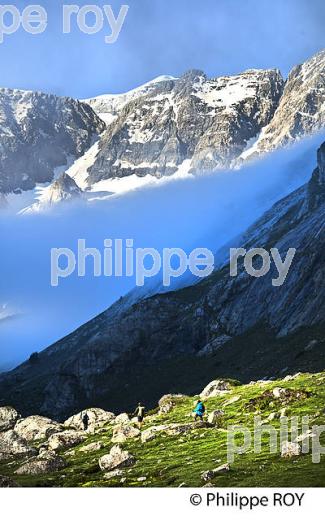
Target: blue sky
x,y
162,37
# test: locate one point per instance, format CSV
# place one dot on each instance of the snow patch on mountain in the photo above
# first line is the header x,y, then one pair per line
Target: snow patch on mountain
x,y
107,106
79,169
134,182
225,91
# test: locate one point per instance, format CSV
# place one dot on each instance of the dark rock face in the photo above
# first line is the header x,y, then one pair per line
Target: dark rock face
x,y
205,122
39,132
316,191
189,321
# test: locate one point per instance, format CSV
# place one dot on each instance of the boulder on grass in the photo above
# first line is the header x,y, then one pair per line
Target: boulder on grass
x,y
171,429
151,433
8,418
290,449
65,440
97,419
93,446
123,418
215,388
168,402
279,392
215,417
123,432
116,459
113,474
36,428
212,473
11,445
48,462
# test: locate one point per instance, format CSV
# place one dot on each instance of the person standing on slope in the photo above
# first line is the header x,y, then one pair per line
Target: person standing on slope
x,y
139,412
85,421
199,411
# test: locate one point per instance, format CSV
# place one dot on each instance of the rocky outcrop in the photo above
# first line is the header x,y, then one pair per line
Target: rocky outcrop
x,y
65,440
301,108
62,190
151,433
316,187
8,418
167,402
93,446
97,419
45,463
11,445
123,432
36,428
183,446
122,418
215,388
215,418
116,459
40,132
113,474
171,429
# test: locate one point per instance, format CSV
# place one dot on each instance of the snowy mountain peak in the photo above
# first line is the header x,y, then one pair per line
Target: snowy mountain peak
x,y
63,189
207,122
163,128
107,106
39,133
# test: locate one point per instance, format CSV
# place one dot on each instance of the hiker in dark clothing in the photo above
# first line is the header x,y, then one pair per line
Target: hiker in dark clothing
x,y
139,412
199,411
85,420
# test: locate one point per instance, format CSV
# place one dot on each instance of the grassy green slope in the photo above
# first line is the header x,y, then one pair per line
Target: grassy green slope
x,y
175,460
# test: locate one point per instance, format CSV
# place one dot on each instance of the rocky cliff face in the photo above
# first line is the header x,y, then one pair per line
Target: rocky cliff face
x,y
301,109
196,321
196,124
206,123
38,133
109,106
167,126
